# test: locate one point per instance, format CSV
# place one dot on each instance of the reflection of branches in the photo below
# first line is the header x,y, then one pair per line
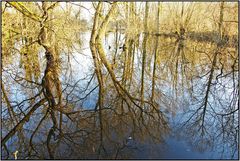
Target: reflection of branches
x,y
5,147
28,99
201,121
50,134
121,91
9,107
209,85
21,79
230,113
23,121
34,132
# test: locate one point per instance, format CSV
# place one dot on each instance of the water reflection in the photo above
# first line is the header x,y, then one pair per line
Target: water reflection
x,y
58,115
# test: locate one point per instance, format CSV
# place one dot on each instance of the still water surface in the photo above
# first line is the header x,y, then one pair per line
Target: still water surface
x,y
195,120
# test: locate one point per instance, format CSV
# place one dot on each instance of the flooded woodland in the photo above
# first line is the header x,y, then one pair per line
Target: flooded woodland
x,y
119,80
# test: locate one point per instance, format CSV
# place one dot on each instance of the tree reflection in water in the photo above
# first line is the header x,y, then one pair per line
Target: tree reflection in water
x,y
118,97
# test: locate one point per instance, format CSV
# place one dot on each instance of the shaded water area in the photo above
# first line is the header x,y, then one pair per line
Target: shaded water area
x,y
194,113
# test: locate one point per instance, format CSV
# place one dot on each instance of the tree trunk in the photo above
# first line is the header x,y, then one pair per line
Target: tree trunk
x,y
95,56
155,54
221,20
50,82
144,51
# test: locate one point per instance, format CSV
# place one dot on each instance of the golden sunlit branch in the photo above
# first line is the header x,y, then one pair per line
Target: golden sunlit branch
x,y
24,10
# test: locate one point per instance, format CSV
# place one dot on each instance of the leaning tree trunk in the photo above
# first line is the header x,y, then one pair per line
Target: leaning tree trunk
x,y
98,69
95,55
50,82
